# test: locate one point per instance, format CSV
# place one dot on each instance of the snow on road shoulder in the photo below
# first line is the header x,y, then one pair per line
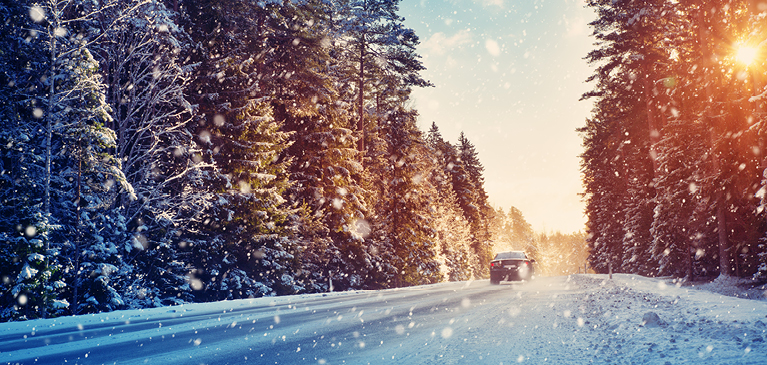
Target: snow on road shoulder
x,y
646,320
734,287
34,337
11,329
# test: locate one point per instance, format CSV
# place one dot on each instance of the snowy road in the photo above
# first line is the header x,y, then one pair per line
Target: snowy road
x,y
561,320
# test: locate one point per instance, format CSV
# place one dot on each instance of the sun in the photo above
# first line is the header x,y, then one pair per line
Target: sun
x,y
745,54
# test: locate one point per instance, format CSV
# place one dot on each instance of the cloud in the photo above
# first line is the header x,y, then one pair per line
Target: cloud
x,y
576,27
439,44
493,47
489,3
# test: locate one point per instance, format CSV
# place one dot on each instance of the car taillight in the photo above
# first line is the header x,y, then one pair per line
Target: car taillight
x,y
492,264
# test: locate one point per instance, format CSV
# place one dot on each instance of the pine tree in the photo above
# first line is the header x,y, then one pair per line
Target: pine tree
x,y
673,232
88,176
520,232
468,184
301,71
714,108
452,230
78,175
325,173
405,209
242,247
245,242
603,187
27,267
379,44
655,72
639,214
707,92
757,33
560,254
626,65
453,234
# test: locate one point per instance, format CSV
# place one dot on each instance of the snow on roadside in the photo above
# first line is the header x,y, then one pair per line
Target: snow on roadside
x,y
154,314
734,287
652,321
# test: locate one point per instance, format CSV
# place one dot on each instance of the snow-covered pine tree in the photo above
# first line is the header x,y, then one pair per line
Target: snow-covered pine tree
x,y
453,236
81,176
465,193
735,164
243,247
398,166
560,254
468,183
519,231
639,214
376,43
498,233
30,275
377,192
603,188
88,177
512,232
406,207
578,256
662,53
677,185
451,229
241,243
326,168
335,256
683,166
636,152
629,127
757,99
645,59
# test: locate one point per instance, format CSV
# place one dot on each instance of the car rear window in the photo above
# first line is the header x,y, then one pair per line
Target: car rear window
x,y
510,255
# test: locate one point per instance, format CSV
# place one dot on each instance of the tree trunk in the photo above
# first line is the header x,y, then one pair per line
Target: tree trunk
x,y
704,40
49,121
652,125
361,106
52,25
78,241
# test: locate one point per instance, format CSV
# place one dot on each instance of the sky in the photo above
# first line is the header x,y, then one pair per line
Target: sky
x,y
509,75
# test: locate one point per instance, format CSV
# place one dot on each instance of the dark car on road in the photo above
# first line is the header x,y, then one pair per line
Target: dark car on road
x,y
511,265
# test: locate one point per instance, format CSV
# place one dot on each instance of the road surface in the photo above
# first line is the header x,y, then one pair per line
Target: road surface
x,y
561,320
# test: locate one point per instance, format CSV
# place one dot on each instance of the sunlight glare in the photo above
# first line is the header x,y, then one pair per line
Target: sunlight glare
x,y
746,55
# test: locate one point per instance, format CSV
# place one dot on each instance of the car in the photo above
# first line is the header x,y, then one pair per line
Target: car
x,y
512,266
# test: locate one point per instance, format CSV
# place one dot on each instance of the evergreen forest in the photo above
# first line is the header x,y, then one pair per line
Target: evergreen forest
x,y
159,152
674,151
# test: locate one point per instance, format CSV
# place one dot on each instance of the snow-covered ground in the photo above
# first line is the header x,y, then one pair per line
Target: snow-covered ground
x,y
573,319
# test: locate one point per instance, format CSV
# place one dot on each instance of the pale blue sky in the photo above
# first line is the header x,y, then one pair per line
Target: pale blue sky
x,y
509,74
